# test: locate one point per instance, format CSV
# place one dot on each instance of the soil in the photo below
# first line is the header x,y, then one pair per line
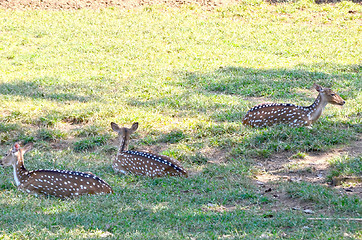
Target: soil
x,y
125,4
95,4
313,168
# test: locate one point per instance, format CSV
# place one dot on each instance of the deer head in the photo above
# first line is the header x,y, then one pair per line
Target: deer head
x,y
15,154
124,134
329,96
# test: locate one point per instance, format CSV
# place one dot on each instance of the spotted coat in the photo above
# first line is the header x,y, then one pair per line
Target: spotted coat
x,y
58,183
142,163
268,114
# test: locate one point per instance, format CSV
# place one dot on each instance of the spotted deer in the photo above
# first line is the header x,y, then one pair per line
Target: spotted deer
x,y
142,163
268,114
58,183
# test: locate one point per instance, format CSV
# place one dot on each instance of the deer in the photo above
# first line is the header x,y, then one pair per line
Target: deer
x,y
58,183
268,114
142,163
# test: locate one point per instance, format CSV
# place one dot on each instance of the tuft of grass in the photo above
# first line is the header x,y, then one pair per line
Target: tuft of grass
x,y
89,131
90,143
50,120
195,158
173,137
322,196
345,165
8,127
299,155
8,132
50,135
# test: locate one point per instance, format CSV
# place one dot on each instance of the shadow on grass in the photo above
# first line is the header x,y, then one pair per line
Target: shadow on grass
x,y
278,139
278,85
8,127
242,84
335,1
140,210
8,131
144,205
273,83
158,209
43,91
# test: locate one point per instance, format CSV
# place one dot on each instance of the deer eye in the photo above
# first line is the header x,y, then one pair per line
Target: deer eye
x,y
333,94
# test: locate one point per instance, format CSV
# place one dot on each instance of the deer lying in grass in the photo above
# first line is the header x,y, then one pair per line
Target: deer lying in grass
x,y
142,163
58,183
268,114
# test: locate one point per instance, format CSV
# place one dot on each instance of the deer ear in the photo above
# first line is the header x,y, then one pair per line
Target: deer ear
x,y
134,126
318,87
27,147
115,127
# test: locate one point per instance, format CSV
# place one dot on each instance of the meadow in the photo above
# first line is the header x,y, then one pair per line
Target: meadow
x,y
188,76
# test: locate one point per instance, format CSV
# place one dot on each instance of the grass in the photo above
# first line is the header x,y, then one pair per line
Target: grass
x,y
187,76
346,166
90,143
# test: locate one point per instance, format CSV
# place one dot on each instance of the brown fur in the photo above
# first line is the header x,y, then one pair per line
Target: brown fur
x,y
142,163
268,114
58,183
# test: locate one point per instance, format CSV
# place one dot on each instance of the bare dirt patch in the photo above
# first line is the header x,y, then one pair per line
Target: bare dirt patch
x,y
125,4
313,168
95,4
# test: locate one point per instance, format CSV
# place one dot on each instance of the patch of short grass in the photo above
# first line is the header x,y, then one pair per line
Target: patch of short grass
x,y
346,165
299,155
50,135
90,143
322,197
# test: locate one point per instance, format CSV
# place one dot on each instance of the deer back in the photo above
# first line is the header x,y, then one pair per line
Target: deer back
x,y
148,164
62,183
275,113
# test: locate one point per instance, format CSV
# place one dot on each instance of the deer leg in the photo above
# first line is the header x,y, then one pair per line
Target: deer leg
x,y
119,169
29,188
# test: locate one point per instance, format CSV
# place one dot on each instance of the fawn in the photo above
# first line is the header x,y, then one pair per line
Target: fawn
x,y
268,114
58,183
142,163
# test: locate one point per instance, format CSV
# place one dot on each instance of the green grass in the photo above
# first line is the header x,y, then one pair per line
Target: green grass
x,y
90,143
346,166
187,76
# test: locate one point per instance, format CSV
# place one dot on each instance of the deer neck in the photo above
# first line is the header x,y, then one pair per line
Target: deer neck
x,y
20,172
315,110
123,144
